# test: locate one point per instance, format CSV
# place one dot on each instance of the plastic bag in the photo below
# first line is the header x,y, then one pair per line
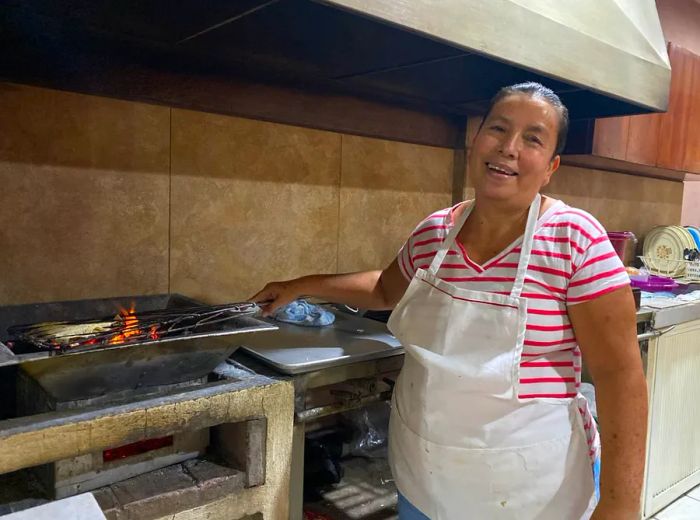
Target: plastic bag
x,y
369,429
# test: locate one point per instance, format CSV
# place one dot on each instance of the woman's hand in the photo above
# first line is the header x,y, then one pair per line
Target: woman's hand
x,y
607,511
278,294
365,289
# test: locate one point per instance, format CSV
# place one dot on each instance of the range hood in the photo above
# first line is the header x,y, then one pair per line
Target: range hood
x,y
604,58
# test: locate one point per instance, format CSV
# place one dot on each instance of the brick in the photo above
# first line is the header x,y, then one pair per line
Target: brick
x,y
162,481
105,499
215,481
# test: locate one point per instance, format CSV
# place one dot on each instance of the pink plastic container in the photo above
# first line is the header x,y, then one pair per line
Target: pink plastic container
x,y
625,244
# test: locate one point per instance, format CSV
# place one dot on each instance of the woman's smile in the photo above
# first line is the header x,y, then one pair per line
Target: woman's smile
x,y
500,171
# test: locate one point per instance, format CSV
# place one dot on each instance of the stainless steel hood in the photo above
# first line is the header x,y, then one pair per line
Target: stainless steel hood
x,y
604,57
614,47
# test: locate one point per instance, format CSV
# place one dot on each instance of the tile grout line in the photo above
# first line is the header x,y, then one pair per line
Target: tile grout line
x,y
669,506
170,200
340,185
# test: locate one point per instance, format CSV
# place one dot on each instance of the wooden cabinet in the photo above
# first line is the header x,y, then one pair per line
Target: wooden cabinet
x,y
676,141
634,139
691,158
668,141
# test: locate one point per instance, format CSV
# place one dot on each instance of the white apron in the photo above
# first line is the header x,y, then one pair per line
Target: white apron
x,y
461,444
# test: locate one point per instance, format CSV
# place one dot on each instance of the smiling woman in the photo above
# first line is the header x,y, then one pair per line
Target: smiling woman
x,y
519,143
496,301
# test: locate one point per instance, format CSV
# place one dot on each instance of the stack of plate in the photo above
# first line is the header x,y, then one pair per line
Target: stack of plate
x,y
695,232
664,249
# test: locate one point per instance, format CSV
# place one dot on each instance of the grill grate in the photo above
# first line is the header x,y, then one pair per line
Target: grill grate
x,y
130,327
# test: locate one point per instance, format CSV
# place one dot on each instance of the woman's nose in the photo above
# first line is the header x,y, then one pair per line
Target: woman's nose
x,y
509,146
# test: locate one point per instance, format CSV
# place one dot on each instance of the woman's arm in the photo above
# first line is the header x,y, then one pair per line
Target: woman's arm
x,y
606,331
367,289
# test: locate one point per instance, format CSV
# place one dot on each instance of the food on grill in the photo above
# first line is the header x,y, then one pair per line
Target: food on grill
x,y
130,326
66,333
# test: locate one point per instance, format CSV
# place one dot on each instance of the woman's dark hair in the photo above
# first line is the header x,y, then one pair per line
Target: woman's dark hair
x,y
538,90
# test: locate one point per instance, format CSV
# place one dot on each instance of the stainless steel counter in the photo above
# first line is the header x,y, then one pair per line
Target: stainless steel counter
x,y
644,315
675,315
297,350
655,322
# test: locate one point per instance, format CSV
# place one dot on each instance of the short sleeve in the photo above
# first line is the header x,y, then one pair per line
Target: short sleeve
x,y
598,270
422,245
405,259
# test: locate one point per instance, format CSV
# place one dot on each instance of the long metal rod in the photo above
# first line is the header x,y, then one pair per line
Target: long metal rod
x,y
332,409
655,333
648,335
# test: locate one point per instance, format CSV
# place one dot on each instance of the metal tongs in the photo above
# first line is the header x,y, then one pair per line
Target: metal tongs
x,y
136,326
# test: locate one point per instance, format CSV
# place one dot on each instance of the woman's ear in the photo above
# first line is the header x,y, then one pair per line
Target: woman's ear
x,y
553,167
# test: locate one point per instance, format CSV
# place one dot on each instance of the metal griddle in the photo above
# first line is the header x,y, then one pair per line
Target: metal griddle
x,y
294,349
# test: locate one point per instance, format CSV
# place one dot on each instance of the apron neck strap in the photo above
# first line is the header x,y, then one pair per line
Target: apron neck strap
x,y
525,250
526,246
450,239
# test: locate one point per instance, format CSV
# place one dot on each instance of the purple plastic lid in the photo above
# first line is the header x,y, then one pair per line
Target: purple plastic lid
x,y
652,283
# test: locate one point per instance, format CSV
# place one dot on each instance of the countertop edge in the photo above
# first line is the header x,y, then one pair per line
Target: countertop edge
x,y
660,318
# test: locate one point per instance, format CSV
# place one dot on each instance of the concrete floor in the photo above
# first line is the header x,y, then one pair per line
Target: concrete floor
x,y
366,492
685,508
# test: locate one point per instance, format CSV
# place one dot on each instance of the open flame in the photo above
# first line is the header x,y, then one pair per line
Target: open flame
x,y
131,327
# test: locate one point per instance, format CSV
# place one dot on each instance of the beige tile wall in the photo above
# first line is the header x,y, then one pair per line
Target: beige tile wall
x,y
251,202
103,197
387,188
83,196
255,201
620,202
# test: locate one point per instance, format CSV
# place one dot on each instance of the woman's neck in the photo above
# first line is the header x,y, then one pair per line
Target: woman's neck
x,y
492,219
490,228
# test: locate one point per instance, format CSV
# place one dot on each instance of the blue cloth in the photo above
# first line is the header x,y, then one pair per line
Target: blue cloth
x,y
408,511
596,478
301,312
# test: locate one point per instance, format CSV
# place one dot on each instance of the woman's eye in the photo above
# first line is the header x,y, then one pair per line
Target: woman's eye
x,y
534,139
498,128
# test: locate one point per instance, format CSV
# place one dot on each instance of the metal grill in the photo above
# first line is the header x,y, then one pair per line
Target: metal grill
x,y
130,327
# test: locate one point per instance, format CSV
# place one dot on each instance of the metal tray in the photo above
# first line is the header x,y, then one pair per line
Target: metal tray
x,y
88,374
297,350
85,374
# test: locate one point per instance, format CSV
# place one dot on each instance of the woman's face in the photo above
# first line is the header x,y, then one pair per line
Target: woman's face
x,y
511,157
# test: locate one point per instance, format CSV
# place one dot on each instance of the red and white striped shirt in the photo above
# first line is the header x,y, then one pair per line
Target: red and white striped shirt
x,y
572,261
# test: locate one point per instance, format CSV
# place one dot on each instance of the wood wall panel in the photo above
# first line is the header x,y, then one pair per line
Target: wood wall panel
x,y
610,138
674,123
691,158
643,139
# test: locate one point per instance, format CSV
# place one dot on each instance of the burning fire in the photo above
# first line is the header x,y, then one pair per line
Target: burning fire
x,y
130,327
